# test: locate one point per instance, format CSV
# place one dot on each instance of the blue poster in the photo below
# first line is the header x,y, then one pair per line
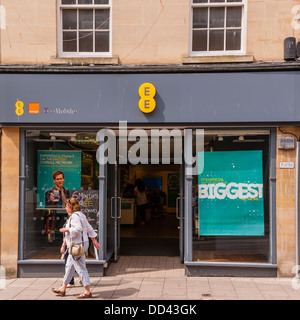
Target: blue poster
x,y
230,191
59,173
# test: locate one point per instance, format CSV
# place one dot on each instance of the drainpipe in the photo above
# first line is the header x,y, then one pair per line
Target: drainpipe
x,y
297,199
297,205
0,35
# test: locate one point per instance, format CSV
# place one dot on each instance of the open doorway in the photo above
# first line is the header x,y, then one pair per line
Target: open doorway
x,y
160,235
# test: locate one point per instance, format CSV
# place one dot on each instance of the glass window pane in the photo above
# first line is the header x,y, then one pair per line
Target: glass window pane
x,y
212,214
85,1
85,19
234,0
101,1
233,40
216,40
69,41
199,40
216,19
200,1
86,41
215,1
69,19
68,1
44,217
234,17
200,17
102,41
101,19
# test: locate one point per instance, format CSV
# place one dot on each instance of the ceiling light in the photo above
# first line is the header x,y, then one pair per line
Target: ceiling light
x,y
62,134
48,140
250,140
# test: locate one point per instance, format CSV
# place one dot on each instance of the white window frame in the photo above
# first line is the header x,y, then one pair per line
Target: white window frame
x,y
224,52
61,53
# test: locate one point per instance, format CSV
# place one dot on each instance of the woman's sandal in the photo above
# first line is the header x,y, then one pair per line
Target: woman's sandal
x,y
84,296
57,291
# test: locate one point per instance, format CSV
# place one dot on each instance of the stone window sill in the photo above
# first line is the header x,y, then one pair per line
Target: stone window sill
x,y
217,59
85,61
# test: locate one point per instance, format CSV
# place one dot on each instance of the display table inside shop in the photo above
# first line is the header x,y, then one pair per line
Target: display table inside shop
x,y
128,211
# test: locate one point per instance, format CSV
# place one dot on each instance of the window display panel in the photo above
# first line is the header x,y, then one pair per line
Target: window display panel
x,y
230,200
58,166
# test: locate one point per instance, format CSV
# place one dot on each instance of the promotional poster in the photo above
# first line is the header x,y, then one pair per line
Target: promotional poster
x,y
59,173
89,202
230,191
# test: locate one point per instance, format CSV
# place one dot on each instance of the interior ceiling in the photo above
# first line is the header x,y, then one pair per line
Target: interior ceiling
x,y
87,139
92,134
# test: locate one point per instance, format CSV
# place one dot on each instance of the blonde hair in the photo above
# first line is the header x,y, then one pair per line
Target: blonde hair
x,y
73,204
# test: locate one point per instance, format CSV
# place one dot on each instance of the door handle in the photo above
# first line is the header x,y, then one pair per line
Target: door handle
x,y
177,210
120,207
177,213
112,206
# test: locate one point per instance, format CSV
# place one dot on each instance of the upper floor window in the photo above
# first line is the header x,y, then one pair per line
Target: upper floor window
x,y
218,27
84,28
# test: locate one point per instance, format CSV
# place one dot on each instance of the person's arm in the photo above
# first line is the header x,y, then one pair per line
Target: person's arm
x,y
95,243
63,246
91,233
75,228
90,230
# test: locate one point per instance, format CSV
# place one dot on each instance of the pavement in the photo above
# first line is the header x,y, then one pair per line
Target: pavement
x,y
154,279
168,288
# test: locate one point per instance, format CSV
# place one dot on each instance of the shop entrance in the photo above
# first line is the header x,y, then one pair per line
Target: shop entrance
x,y
161,232
157,233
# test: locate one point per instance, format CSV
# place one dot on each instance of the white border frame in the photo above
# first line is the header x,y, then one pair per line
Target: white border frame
x,y
241,52
60,52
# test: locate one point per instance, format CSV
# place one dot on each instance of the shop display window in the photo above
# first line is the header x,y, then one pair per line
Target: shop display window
x,y
59,165
231,220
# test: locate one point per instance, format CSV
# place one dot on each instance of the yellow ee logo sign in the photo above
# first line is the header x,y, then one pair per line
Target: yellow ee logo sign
x,y
19,108
147,92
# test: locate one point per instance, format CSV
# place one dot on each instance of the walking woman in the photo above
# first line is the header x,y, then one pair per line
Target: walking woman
x,y
76,227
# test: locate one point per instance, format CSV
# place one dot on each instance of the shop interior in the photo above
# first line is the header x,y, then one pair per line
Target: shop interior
x,y
160,235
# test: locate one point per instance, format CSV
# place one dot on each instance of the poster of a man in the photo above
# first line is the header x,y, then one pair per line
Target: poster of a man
x,y
58,175
56,196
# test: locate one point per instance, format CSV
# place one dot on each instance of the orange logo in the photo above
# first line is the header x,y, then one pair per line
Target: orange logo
x,y
34,107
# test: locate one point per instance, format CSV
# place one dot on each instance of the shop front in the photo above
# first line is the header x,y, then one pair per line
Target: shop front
x,y
204,145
